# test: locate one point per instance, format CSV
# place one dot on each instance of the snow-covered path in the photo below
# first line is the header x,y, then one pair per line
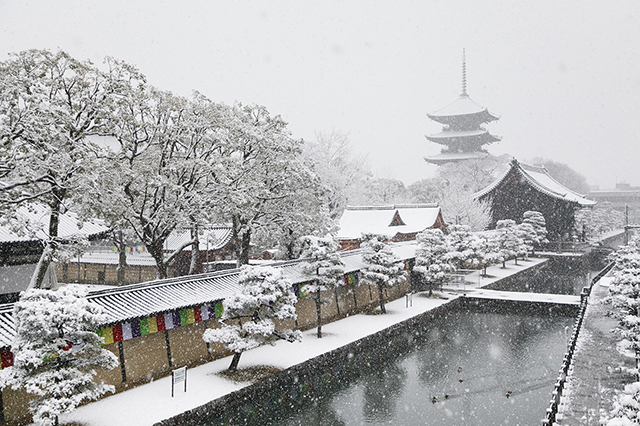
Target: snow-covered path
x,y
152,402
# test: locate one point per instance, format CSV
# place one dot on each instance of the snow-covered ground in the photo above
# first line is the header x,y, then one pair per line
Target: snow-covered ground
x,y
152,402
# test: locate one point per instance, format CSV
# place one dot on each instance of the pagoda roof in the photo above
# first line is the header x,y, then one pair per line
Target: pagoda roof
x,y
462,107
481,136
452,157
538,178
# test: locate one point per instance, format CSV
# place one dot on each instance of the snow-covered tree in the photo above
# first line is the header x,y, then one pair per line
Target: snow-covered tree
x,y
461,208
431,258
340,172
50,103
324,269
382,267
260,175
626,407
161,173
56,351
539,224
625,296
591,223
474,174
507,240
465,251
247,320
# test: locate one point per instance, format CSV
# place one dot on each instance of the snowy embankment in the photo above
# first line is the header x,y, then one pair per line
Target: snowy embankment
x,y
152,402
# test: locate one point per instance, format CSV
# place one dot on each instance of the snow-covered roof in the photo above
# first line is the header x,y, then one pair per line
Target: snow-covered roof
x,y
356,221
462,106
146,299
541,180
448,157
37,219
480,136
213,238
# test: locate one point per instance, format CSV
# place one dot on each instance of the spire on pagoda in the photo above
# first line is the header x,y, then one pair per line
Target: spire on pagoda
x,y
462,136
464,74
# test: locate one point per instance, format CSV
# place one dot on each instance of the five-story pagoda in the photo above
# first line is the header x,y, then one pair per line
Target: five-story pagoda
x,y
462,135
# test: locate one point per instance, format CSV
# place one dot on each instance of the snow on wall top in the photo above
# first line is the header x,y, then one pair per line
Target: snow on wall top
x,y
377,220
146,299
37,220
541,180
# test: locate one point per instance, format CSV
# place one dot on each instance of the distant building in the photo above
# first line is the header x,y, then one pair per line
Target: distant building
x,y
400,222
19,253
462,136
623,196
98,265
522,188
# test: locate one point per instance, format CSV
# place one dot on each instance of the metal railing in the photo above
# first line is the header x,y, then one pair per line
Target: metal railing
x,y
556,395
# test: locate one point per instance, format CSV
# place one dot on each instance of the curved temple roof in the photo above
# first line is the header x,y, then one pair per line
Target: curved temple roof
x,y
541,180
461,107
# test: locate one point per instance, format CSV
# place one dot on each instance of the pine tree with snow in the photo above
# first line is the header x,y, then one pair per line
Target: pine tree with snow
x,y
507,240
431,258
539,224
247,321
625,296
382,268
324,269
57,352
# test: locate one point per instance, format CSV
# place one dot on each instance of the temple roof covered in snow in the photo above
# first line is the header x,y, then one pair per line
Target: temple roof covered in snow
x,y
538,178
388,220
36,221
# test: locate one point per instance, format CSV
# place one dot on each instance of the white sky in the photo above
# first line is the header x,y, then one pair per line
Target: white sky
x,y
564,76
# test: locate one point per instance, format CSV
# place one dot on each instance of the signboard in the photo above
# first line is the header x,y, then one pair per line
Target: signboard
x,y
177,376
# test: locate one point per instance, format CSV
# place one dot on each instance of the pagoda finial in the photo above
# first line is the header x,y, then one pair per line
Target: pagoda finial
x,y
464,73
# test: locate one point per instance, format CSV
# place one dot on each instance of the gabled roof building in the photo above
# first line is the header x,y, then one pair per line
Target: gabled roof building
x,y
523,187
399,222
462,136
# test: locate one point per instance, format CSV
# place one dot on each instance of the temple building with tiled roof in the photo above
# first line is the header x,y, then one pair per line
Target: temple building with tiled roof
x,y
523,187
462,136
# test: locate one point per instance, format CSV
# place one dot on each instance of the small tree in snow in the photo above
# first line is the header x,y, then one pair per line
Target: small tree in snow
x,y
625,296
248,315
382,267
507,240
56,351
431,261
539,224
325,268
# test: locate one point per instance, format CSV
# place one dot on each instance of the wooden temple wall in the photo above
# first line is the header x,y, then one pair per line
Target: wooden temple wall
x,y
147,357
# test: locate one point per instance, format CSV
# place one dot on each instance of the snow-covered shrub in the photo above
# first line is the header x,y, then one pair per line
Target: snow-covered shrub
x,y
507,240
247,321
56,351
431,258
382,267
626,407
596,221
324,269
539,224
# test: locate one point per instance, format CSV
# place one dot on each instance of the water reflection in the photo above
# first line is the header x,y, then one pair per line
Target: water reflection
x,y
464,368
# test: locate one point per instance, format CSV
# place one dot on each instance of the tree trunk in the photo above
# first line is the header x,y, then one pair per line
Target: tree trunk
x,y
381,297
241,240
122,256
155,250
195,267
318,313
234,362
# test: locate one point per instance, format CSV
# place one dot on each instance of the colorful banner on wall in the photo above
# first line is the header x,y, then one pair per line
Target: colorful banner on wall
x,y
352,278
153,324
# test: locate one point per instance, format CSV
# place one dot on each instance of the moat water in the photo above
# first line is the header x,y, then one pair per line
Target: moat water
x,y
463,368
